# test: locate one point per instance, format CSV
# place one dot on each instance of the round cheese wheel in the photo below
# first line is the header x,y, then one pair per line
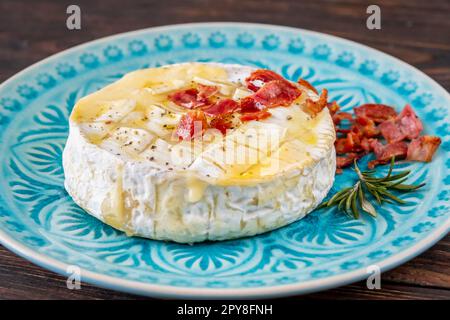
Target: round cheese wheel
x,y
126,163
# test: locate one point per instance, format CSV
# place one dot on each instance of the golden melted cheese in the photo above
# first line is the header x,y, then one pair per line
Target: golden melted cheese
x,y
139,101
135,86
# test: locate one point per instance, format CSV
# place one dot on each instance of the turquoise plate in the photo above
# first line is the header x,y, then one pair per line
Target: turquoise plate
x,y
40,222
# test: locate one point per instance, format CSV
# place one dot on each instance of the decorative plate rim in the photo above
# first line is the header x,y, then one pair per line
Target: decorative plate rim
x,y
166,291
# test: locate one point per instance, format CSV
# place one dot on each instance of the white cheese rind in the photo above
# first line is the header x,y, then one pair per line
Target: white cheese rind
x,y
152,201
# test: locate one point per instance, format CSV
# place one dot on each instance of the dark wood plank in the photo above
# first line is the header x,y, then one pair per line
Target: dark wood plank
x,y
388,291
20,279
415,31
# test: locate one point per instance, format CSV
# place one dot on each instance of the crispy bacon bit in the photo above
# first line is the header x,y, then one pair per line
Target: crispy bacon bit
x,y
409,123
333,107
343,145
248,104
260,77
351,143
222,106
222,122
391,132
338,117
263,114
314,107
187,98
357,139
365,127
277,93
361,137
376,112
423,148
366,144
384,153
405,126
191,125
308,85
345,161
204,91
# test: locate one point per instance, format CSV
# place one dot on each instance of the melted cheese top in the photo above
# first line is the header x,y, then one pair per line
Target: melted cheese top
x,y
134,120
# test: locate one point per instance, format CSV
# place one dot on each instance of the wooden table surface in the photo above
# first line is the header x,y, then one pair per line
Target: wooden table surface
x,y
415,31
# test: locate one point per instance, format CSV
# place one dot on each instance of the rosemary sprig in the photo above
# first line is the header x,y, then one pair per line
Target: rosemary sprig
x,y
352,199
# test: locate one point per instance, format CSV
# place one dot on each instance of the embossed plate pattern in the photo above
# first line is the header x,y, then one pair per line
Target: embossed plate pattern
x,y
39,221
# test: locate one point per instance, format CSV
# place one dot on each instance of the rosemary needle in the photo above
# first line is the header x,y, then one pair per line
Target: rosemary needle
x,y
353,199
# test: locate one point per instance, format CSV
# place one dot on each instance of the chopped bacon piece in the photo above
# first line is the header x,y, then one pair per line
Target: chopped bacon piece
x,y
314,107
376,112
372,164
351,143
391,132
191,125
366,144
343,145
222,106
357,139
333,107
204,91
365,127
338,117
360,138
345,161
423,148
248,104
277,93
409,123
384,153
187,98
263,114
260,77
222,122
308,85
387,151
405,126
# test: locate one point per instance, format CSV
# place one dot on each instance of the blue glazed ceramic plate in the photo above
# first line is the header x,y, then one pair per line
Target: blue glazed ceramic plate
x,y
40,222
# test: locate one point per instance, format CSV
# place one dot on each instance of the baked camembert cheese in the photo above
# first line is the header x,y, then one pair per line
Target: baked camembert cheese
x,y
197,151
